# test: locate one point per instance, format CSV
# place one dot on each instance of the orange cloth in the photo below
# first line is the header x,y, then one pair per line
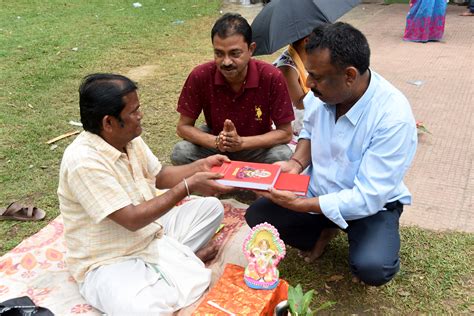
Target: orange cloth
x,y
300,66
231,293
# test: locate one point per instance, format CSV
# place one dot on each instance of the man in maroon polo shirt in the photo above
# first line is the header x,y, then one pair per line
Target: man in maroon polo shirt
x,y
240,97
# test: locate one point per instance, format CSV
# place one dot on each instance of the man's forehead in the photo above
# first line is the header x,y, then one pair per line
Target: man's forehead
x,y
319,60
131,99
234,39
322,54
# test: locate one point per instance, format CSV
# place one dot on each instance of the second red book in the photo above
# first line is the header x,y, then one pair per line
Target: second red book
x,y
260,176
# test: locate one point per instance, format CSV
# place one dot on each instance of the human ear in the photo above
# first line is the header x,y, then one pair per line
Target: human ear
x,y
351,75
107,123
252,47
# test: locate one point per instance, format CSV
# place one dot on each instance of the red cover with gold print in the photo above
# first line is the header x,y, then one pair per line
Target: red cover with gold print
x,y
261,176
250,175
231,294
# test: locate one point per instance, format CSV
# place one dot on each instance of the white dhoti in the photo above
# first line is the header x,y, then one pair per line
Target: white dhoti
x,y
178,279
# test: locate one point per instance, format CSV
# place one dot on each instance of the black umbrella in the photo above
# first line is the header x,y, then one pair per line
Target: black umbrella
x,y
282,22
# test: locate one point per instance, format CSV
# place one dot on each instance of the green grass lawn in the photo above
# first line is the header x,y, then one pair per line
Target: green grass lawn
x,y
47,46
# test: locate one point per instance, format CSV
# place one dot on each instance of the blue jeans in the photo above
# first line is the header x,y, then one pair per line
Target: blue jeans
x,y
471,6
374,241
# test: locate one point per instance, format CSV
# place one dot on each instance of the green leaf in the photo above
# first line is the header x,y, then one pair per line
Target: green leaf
x,y
307,298
292,299
325,305
299,301
423,129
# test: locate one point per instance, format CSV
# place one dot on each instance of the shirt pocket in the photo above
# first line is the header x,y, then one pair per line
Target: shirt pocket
x,y
347,171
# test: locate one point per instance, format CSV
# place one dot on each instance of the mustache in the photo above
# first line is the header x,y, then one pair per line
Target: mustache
x,y
316,92
223,67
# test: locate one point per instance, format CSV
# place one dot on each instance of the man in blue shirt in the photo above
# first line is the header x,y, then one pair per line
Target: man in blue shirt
x,y
358,140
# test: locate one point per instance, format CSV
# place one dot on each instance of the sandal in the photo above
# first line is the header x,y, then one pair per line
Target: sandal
x,y
15,211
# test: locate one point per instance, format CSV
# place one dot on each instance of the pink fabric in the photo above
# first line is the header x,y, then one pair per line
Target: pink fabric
x,y
425,20
36,267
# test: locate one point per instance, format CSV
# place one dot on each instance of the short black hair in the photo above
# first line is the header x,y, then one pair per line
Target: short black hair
x,y
347,45
230,24
102,94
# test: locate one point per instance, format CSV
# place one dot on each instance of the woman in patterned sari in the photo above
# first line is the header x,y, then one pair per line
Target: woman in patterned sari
x,y
425,21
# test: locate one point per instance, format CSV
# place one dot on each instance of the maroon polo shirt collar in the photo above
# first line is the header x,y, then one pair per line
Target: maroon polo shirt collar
x,y
251,81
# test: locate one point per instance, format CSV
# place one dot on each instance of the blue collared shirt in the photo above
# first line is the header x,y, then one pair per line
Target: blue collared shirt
x,y
358,162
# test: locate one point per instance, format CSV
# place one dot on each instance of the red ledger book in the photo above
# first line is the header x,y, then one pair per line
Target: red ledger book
x,y
296,183
261,176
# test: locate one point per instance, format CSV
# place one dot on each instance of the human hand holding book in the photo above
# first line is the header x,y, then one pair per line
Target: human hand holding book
x,y
261,176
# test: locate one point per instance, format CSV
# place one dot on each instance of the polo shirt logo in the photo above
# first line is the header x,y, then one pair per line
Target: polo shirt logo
x,y
258,113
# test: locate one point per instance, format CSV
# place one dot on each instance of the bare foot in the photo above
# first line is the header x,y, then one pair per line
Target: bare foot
x,y
303,254
467,13
207,253
326,236
307,255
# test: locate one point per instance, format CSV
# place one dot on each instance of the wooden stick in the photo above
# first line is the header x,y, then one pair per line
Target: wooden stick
x,y
62,136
